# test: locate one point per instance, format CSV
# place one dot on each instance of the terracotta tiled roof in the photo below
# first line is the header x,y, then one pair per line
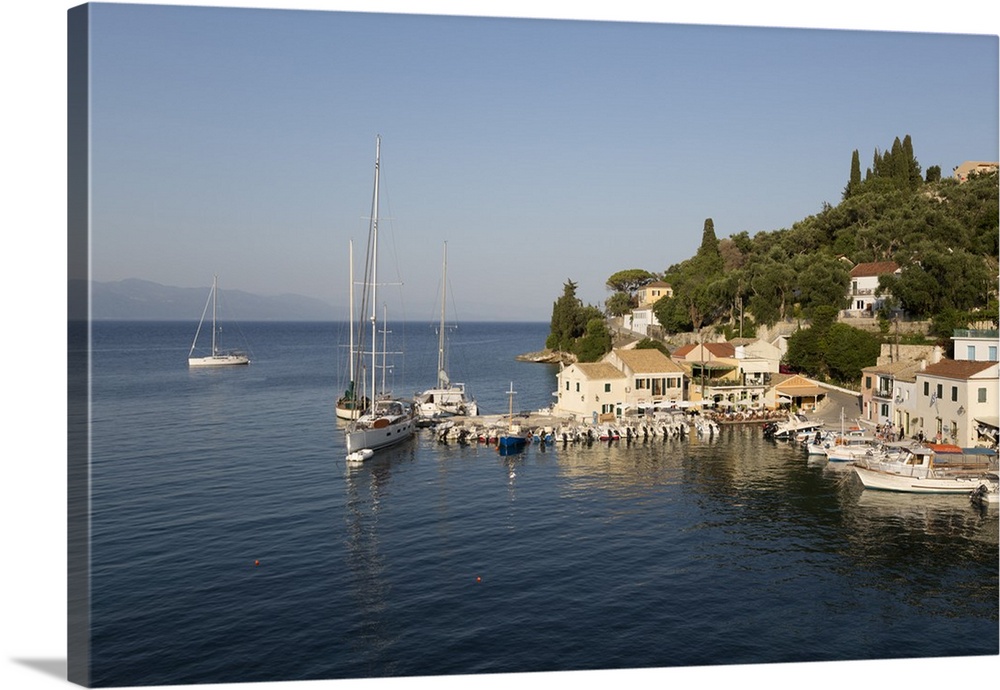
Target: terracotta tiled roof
x,y
957,369
648,361
721,349
895,368
876,268
599,371
682,350
799,386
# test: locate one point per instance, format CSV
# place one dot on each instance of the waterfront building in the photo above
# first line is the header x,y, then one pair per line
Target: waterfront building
x,y
797,391
887,388
707,361
883,390
745,386
624,379
957,402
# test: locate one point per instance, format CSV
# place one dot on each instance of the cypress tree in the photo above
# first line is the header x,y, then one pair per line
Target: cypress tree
x,y
855,180
912,166
708,256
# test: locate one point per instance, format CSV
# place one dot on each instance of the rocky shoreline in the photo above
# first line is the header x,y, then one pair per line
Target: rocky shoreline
x,y
547,357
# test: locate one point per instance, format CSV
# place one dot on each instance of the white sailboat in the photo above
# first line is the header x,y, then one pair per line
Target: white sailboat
x,y
446,399
387,421
218,357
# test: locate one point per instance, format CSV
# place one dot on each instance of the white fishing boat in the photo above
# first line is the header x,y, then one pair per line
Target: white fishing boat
x,y
821,442
218,357
916,472
850,447
795,424
446,399
388,420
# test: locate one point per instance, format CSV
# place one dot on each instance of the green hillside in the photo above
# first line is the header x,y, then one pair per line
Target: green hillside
x,y
942,233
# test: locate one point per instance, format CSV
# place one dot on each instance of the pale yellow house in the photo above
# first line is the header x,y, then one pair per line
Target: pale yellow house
x,y
650,294
642,319
624,379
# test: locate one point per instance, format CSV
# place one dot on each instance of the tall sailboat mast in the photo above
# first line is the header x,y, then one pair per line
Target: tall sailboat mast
x,y
350,291
374,267
215,299
444,290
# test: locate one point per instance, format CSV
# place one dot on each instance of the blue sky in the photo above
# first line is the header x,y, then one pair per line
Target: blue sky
x,y
241,142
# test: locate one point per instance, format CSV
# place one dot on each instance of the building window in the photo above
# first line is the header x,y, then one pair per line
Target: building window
x,y
954,393
993,353
567,385
577,386
940,391
607,387
885,410
927,388
970,352
982,395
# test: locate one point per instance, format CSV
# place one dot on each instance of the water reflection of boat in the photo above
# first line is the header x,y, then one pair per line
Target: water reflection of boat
x,y
897,504
368,587
930,514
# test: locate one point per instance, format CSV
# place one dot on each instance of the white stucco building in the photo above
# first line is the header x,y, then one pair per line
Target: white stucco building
x,y
955,399
624,379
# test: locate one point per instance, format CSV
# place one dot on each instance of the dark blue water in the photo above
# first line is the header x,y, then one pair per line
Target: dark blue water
x,y
231,542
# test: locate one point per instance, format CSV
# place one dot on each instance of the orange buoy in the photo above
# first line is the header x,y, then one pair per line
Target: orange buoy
x,y
478,579
256,562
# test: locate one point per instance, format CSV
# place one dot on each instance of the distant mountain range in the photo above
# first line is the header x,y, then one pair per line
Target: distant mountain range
x,y
135,299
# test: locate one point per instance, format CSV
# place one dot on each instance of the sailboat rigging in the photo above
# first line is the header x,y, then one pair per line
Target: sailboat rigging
x,y
388,420
351,403
218,356
446,398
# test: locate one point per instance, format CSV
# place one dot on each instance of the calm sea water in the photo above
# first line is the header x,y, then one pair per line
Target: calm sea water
x,y
231,542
